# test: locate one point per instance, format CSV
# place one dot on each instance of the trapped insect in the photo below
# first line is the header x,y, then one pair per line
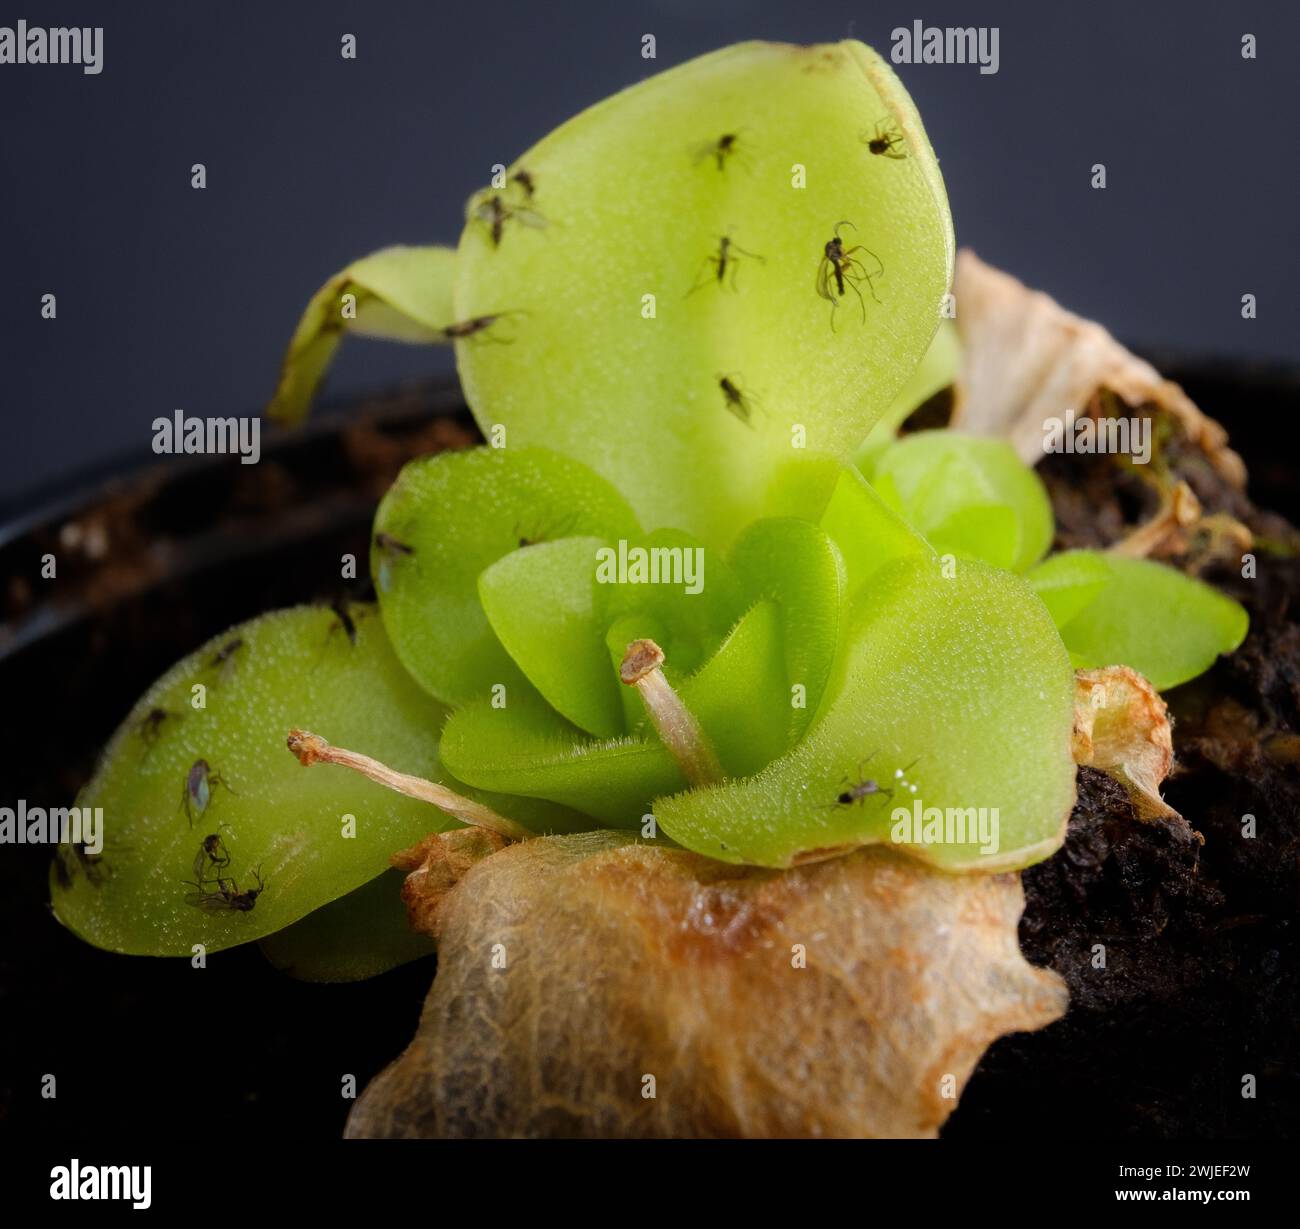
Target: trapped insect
x,y
225,893
212,856
477,328
721,150
391,546
344,620
495,213
527,181
736,400
546,533
63,866
725,260
197,793
390,550
886,139
149,727
856,792
75,856
840,268
226,658
69,858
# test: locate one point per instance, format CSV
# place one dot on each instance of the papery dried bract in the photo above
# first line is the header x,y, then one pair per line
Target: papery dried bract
x,y
435,866
1121,726
573,969
1027,360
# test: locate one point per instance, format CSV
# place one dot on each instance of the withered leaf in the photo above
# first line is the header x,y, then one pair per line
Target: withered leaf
x,y
590,985
1121,726
1026,359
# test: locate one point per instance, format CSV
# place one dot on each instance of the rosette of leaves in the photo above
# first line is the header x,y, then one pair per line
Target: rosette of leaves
x,y
676,320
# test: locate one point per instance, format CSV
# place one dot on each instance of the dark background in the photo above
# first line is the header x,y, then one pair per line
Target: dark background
x,y
174,298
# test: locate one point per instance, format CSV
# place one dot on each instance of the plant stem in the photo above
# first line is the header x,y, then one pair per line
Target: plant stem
x,y
312,748
676,724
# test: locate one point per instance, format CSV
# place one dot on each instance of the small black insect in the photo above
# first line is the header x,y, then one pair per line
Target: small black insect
x,y
391,546
63,866
721,150
70,858
476,327
526,180
225,893
93,865
150,725
225,658
149,728
840,268
564,527
886,139
345,620
737,401
212,856
725,260
198,789
389,549
856,792
493,211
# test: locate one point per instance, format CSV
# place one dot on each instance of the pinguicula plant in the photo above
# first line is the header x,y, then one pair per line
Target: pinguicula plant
x,y
693,583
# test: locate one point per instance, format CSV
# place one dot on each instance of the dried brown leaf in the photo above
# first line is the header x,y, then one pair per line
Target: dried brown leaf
x,y
1026,360
1121,726
572,968
435,866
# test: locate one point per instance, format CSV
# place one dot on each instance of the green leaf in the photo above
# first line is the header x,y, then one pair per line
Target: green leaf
x,y
398,293
867,532
741,697
1166,626
1069,582
291,668
796,564
961,685
696,599
936,371
526,748
539,602
360,935
632,198
970,496
446,519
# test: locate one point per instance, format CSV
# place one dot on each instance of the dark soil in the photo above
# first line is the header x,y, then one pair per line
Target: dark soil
x,y
1198,922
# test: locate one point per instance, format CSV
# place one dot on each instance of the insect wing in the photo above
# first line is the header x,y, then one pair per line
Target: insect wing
x,y
824,273
529,217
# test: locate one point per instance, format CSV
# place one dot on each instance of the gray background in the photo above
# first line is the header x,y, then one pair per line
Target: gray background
x,y
169,297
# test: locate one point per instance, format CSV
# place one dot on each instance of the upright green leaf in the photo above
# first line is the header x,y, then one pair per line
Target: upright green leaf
x,y
612,251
